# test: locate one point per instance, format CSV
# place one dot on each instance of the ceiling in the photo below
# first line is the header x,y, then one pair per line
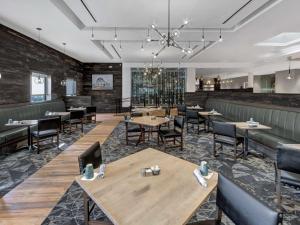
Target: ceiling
x,y
69,21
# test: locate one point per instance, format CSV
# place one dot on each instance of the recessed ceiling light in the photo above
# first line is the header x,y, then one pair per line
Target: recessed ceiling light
x,y
281,40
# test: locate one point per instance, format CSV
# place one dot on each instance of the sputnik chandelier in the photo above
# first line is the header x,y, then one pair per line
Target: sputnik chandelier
x,y
169,39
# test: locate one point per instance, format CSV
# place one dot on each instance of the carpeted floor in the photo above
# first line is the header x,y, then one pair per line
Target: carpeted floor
x,y
255,175
17,166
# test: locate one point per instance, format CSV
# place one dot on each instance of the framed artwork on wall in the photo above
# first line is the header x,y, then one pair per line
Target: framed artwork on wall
x,y
102,82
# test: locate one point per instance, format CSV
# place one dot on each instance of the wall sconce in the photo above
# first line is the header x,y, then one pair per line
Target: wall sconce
x,y
63,83
0,76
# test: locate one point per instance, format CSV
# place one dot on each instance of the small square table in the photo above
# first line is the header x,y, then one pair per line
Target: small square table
x,y
208,115
150,121
244,126
25,123
127,198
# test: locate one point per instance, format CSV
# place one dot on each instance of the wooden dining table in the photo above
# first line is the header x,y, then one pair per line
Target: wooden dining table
x,y
149,121
127,197
245,127
208,115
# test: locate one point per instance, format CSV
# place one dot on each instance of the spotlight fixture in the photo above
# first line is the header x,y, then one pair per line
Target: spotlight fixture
x,y
220,37
148,38
203,37
115,37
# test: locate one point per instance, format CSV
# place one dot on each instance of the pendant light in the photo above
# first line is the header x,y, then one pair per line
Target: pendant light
x,y
142,47
148,38
290,77
203,37
92,36
220,37
120,47
115,37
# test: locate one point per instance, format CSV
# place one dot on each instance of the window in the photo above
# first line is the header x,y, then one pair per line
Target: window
x,y
40,87
70,87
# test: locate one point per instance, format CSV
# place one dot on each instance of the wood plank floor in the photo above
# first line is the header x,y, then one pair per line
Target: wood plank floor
x,y
31,201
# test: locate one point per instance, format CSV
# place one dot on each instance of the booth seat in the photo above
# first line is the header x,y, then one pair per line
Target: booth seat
x,y
284,121
35,111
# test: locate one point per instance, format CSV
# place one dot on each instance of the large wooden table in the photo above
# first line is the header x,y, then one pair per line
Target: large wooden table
x,y
244,126
128,198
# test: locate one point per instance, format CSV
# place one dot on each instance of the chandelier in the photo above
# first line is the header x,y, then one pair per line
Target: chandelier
x,y
169,39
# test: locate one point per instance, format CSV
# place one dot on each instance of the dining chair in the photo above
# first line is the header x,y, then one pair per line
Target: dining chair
x,y
173,135
46,128
287,170
90,113
225,134
181,110
241,207
192,117
92,155
76,117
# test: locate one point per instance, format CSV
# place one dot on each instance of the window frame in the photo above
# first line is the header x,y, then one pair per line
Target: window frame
x,y
74,81
47,96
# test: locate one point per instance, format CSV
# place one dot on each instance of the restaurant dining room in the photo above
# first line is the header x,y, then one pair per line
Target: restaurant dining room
x,y
162,112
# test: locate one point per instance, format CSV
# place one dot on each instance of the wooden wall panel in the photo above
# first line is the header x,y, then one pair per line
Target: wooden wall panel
x,y
19,55
103,100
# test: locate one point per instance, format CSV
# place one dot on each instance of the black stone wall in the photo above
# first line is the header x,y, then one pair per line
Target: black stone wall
x,y
20,55
288,100
103,100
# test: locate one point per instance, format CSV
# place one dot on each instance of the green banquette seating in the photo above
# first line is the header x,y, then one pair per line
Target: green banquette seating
x,y
35,111
284,121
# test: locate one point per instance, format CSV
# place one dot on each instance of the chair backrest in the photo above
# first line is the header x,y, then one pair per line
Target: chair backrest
x,y
181,108
136,114
77,114
224,129
92,155
243,208
91,109
288,159
159,113
52,123
179,123
191,114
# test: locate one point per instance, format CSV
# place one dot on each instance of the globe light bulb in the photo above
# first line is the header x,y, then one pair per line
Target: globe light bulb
x,y
176,33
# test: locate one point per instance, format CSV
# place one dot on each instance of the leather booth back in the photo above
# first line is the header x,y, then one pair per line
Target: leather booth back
x,y
92,155
179,123
288,159
27,112
285,122
243,208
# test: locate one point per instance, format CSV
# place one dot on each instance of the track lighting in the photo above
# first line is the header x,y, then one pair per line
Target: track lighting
x,y
220,37
39,30
116,37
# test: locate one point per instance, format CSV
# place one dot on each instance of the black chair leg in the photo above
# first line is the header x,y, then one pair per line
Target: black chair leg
x,y
57,140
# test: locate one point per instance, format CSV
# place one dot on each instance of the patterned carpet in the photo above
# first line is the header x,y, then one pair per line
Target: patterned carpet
x,y
255,175
16,167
